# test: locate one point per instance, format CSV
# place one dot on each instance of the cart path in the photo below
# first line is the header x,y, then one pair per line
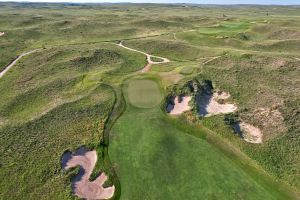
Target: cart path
x,y
16,60
150,62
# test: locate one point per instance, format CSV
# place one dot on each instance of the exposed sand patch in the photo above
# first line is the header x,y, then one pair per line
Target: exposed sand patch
x,y
181,104
15,61
150,62
1,33
209,104
81,186
248,132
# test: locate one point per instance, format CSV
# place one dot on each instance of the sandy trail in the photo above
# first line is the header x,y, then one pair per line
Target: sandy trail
x,y
150,62
181,105
15,61
82,187
212,58
209,104
1,33
248,132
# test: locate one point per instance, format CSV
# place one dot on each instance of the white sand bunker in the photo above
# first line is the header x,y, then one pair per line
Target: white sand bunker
x,y
82,187
181,104
248,132
1,33
214,104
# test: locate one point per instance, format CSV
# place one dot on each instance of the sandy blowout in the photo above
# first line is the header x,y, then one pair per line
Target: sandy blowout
x,y
248,132
180,105
81,186
209,104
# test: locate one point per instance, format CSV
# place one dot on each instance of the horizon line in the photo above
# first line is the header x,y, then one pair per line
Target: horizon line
x,y
166,3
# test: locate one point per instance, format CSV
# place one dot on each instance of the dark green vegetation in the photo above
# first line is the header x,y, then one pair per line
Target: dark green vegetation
x,y
62,98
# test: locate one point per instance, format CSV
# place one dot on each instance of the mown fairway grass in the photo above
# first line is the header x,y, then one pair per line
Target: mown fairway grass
x,y
155,160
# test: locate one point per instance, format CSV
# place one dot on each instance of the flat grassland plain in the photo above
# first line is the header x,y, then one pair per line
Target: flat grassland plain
x,y
82,89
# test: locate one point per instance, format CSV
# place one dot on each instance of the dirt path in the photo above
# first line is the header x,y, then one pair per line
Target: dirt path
x,y
81,186
211,59
15,61
297,59
150,62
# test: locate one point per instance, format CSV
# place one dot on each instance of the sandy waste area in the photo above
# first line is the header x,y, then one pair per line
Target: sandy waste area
x,y
181,105
81,186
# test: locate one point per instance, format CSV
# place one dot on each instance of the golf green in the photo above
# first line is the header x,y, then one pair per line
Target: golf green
x,y
143,93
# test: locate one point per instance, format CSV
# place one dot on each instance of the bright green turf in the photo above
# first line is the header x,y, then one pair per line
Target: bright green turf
x,y
187,70
154,160
144,93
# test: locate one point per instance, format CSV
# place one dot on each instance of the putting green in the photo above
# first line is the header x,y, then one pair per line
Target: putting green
x,y
143,93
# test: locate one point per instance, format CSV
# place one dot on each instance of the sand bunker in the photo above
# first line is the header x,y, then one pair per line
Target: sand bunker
x,y
181,104
81,186
248,132
214,104
1,33
150,62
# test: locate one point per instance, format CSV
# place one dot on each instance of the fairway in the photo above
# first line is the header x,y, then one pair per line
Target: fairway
x,y
144,93
154,160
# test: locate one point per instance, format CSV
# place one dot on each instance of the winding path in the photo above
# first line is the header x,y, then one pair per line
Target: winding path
x,y
150,62
16,60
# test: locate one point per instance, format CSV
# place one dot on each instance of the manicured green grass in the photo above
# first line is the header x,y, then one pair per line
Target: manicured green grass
x,y
155,160
226,28
187,70
144,93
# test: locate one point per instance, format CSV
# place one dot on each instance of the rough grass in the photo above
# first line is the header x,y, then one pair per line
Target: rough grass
x,y
31,151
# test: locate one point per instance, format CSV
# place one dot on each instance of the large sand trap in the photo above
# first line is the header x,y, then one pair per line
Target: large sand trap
x,y
82,187
15,61
209,105
180,105
150,62
1,33
248,132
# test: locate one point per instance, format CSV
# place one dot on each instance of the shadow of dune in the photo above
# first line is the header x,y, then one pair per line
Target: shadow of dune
x,y
202,103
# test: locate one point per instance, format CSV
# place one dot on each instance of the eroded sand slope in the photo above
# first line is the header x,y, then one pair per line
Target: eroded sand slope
x,y
81,186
